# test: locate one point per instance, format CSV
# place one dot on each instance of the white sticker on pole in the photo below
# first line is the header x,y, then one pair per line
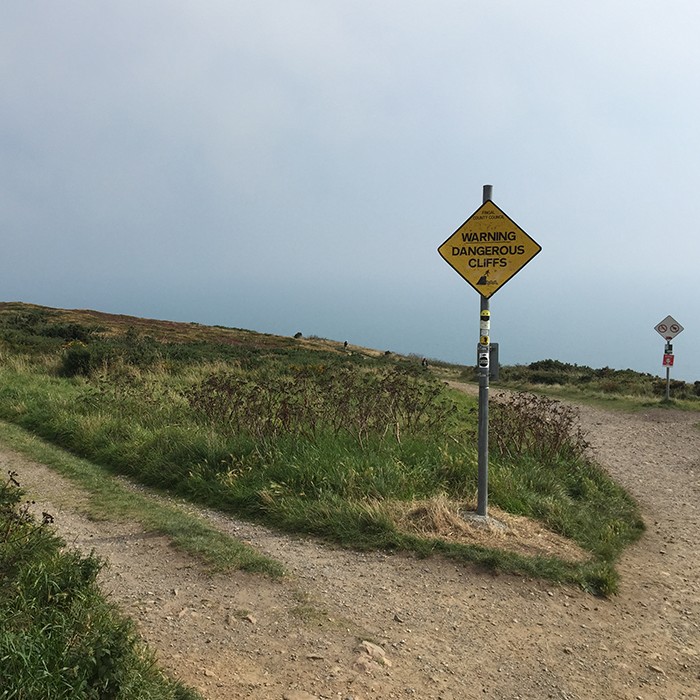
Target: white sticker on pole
x,y
669,328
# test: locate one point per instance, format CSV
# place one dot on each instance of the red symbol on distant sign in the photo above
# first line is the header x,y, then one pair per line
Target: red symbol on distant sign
x,y
668,360
668,327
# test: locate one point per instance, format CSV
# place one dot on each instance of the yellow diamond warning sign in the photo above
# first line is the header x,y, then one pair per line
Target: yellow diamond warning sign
x,y
488,249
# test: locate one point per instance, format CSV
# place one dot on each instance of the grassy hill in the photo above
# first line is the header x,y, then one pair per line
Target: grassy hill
x,y
304,434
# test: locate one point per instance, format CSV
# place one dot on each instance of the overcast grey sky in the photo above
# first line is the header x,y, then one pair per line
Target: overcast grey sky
x,y
293,165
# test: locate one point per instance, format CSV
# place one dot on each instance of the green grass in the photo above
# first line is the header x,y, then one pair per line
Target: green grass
x,y
59,637
108,499
320,487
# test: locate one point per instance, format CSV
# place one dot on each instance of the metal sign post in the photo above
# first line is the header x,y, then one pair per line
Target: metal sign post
x,y
668,329
487,250
482,500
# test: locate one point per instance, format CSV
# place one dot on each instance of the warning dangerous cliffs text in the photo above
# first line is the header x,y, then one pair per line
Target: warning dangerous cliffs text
x,y
488,255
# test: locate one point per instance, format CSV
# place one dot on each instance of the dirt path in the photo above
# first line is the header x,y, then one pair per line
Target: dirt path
x,y
447,631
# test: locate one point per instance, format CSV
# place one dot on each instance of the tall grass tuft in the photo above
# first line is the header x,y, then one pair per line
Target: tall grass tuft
x,y
541,470
59,637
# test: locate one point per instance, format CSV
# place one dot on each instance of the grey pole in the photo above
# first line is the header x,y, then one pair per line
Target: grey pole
x,y
668,383
483,427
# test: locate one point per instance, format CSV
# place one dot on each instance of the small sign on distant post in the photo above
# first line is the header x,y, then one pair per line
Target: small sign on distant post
x,y
668,329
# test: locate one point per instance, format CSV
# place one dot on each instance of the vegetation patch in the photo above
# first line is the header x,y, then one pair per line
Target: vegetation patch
x,y
603,382
313,437
106,498
59,637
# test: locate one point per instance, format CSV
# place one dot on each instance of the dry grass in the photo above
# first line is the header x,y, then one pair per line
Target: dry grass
x,y
453,521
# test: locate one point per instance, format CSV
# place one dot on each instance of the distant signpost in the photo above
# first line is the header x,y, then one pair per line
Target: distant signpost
x,y
668,329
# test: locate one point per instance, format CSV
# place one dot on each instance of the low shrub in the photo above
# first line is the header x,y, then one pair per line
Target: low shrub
x,y
315,399
80,359
59,637
529,424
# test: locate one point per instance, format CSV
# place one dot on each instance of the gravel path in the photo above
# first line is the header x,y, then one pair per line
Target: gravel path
x,y
433,629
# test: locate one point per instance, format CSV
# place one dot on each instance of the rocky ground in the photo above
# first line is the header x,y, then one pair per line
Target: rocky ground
x,y
370,625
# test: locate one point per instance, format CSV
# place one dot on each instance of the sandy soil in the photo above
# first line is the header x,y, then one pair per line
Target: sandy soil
x,y
356,626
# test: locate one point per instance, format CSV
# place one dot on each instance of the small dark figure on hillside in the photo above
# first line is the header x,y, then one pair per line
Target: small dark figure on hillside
x,y
345,344
424,362
298,335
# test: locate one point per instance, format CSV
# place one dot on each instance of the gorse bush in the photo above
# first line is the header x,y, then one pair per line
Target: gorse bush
x,y
84,360
100,355
44,324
